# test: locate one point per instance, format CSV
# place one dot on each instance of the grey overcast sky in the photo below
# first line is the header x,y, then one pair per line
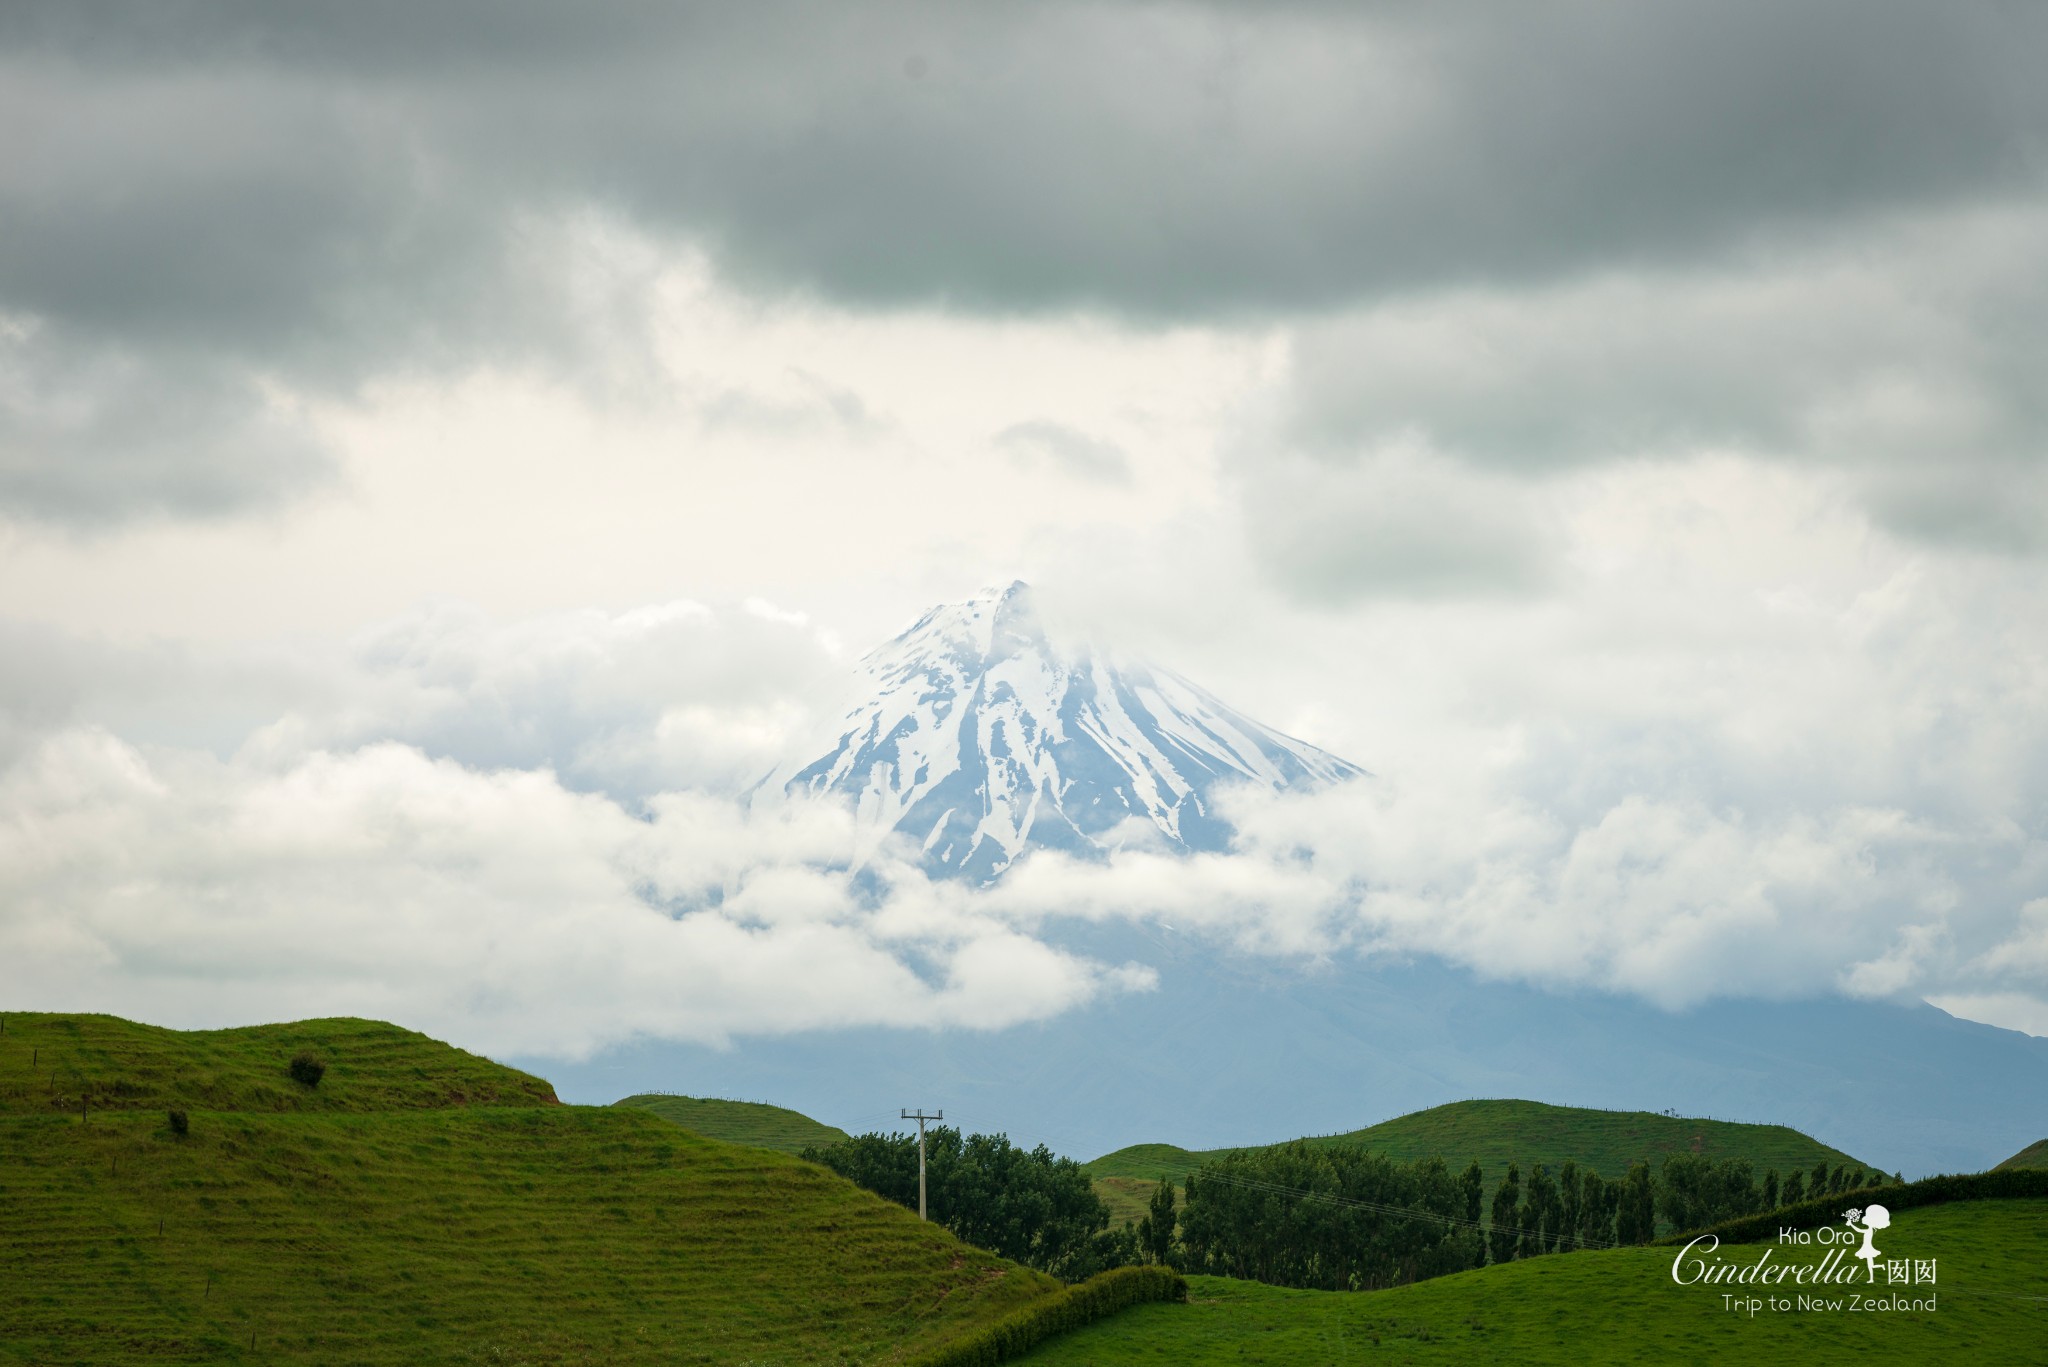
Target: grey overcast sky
x,y
458,436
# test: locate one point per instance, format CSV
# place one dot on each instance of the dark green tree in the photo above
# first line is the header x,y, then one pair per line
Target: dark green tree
x,y
1570,1194
1771,1189
1635,1217
1329,1219
1597,1206
1694,1192
1472,1182
1794,1190
1155,1231
1539,1213
1507,1204
1026,1205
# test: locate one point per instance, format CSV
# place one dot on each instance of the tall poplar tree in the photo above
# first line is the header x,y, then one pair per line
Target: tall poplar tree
x,y
1507,1205
1569,1197
1635,1219
1472,1183
1155,1231
1539,1212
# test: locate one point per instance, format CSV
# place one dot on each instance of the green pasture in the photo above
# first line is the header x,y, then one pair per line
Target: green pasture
x,y
1615,1306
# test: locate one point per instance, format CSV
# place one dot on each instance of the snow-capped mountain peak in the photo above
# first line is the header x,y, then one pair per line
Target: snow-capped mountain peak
x,y
979,737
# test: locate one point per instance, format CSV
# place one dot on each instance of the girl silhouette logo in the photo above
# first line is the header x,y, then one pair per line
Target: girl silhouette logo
x,y
1874,1219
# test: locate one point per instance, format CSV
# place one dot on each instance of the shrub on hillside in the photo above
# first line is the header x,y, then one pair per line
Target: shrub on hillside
x,y
306,1068
1019,1333
180,1126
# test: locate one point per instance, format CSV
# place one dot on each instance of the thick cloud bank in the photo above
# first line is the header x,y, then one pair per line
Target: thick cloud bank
x,y
495,908
1619,427
538,837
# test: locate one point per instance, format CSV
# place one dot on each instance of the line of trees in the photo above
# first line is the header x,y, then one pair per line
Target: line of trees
x,y
1336,1219
1331,1219
1325,1218
1027,1205
1694,1192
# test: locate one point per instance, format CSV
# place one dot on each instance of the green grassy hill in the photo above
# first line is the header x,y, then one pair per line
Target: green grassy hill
x,y
431,1207
753,1123
1526,1132
2034,1155
1498,1133
1611,1306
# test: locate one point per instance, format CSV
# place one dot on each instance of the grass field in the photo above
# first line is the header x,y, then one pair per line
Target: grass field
x,y
1613,1306
2034,1155
1526,1132
752,1123
473,1221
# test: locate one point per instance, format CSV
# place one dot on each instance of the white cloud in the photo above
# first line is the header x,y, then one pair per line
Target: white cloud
x,y
672,696
1743,741
1655,898
496,909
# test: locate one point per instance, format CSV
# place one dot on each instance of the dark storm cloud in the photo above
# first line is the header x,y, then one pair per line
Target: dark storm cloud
x,y
1908,362
97,434
331,193
1166,159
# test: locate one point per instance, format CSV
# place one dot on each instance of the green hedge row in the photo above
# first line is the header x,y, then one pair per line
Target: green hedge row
x,y
1025,1329
1929,1191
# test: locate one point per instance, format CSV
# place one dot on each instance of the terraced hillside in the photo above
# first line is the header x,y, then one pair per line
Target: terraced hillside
x,y
469,1219
51,1063
752,1123
1615,1306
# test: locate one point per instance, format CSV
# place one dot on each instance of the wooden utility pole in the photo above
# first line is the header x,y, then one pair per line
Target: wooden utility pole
x,y
920,1117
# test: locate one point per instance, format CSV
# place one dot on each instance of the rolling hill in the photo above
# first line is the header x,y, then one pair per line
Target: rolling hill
x,y
1497,1133
424,1205
753,1123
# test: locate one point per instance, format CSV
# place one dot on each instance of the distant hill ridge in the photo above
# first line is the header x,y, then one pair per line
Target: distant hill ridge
x,y
1497,1133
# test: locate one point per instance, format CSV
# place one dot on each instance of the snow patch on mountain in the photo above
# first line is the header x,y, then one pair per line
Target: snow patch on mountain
x,y
978,737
